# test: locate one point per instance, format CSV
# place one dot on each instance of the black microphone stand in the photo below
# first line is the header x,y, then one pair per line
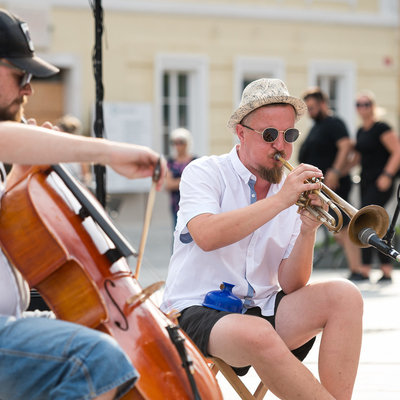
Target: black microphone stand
x,y
388,238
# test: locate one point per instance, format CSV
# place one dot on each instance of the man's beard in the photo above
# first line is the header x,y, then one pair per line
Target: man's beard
x,y
272,175
7,115
320,116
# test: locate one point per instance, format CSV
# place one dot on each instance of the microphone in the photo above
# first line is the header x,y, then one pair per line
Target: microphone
x,y
369,236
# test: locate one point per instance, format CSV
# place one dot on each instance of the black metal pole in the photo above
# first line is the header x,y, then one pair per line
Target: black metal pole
x,y
388,238
99,170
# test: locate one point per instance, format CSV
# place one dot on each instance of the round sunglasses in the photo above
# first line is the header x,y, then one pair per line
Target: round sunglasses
x,y
271,134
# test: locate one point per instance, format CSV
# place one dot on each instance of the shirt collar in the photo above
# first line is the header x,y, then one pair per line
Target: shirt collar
x,y
238,166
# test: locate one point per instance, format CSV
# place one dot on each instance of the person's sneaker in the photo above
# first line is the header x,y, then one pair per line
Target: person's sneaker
x,y
385,279
357,277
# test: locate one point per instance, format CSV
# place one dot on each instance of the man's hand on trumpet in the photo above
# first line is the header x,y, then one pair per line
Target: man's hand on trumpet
x,y
309,221
299,182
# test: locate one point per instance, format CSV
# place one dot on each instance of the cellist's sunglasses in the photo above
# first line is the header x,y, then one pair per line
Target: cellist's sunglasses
x,y
271,134
25,78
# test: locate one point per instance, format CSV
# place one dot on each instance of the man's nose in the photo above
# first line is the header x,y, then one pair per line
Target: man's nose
x,y
279,143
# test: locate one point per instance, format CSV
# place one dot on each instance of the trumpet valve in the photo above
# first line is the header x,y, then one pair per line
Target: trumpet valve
x,y
315,180
303,202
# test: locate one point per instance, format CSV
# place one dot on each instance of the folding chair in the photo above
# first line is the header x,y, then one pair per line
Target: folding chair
x,y
217,365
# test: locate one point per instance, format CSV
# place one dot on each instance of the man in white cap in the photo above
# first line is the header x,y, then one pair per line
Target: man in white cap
x,y
43,358
238,223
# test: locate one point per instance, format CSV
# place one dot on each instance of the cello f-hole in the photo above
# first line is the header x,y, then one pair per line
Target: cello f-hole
x,y
117,323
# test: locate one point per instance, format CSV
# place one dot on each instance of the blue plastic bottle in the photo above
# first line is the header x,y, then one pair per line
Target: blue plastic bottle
x,y
224,299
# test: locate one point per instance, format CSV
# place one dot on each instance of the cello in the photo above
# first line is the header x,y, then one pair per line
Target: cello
x,y
60,239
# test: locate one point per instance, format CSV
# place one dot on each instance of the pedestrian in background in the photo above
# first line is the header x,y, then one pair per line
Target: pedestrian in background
x,y
378,152
181,141
328,146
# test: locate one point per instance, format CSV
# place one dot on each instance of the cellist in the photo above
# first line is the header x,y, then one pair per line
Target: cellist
x,y
45,358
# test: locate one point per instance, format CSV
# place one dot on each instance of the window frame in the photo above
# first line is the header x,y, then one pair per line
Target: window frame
x,y
254,68
345,73
196,66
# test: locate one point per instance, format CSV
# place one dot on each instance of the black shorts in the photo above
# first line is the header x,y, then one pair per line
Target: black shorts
x,y
197,322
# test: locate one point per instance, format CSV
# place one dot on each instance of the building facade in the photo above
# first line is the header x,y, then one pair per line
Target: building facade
x,y
170,63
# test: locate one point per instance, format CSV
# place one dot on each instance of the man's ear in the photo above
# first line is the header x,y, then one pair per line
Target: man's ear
x,y
240,132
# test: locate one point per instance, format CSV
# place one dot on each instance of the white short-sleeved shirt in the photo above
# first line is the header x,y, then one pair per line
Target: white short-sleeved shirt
x,y
215,185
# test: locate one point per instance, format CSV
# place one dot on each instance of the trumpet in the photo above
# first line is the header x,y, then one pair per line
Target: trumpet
x,y
372,216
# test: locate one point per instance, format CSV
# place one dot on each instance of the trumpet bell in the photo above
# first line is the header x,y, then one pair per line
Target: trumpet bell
x,y
372,216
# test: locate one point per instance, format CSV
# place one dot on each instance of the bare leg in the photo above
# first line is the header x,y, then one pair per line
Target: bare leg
x,y
387,269
242,340
108,396
332,307
353,253
366,269
336,307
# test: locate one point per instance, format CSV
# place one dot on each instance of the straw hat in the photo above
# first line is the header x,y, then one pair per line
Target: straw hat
x,y
263,92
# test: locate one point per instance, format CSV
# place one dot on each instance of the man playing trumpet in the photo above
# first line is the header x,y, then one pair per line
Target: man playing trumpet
x,y
238,223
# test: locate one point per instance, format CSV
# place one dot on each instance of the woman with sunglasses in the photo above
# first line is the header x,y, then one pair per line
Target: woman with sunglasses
x,y
378,151
181,141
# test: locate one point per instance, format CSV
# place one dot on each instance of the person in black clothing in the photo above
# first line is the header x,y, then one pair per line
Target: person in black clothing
x,y
378,150
328,146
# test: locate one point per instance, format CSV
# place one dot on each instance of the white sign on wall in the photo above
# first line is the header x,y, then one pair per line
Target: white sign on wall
x,y
131,123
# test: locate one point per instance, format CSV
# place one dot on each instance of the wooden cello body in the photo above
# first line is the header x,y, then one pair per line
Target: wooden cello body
x,y
59,252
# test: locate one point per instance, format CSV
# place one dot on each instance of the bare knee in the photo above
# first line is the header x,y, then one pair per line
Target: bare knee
x,y
345,297
265,345
264,336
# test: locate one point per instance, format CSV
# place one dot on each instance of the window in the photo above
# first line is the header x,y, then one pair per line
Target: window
x,y
329,85
248,69
337,80
181,99
175,104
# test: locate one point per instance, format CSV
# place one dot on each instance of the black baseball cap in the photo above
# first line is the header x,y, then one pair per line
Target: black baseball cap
x,y
16,46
